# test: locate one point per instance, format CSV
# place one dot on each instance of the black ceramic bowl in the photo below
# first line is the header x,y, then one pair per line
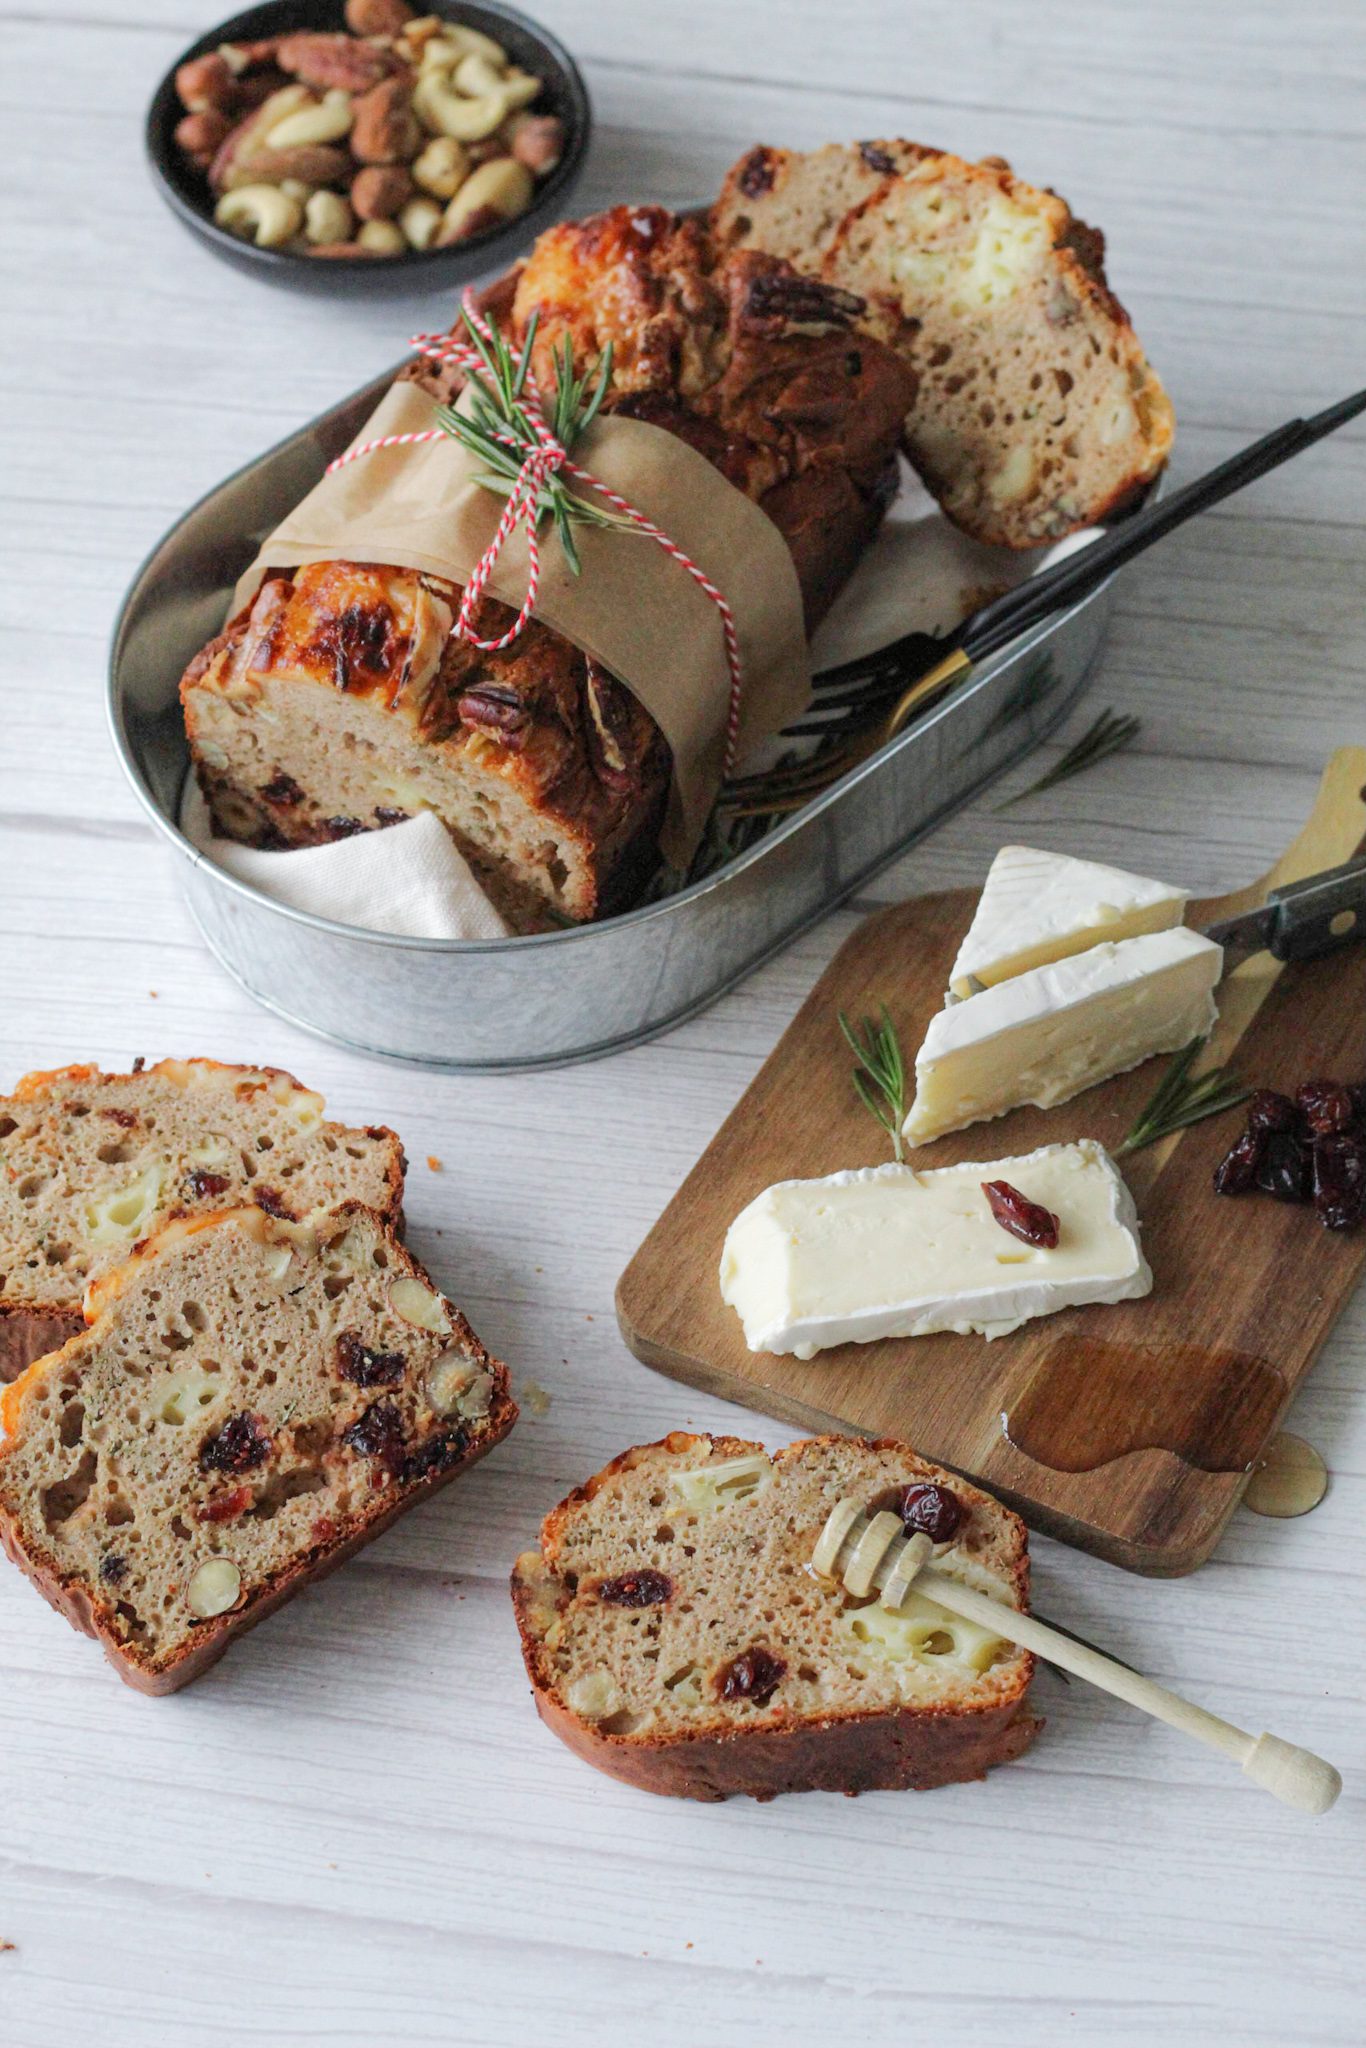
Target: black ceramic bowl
x,y
186,190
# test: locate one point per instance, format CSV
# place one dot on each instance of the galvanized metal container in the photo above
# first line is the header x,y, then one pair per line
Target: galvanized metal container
x,y
502,1005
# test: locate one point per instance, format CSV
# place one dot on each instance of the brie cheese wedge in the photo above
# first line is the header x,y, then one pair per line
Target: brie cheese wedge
x,y
889,1252
1045,1035
1039,907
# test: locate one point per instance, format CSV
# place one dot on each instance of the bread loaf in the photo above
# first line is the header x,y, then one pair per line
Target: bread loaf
x,y
338,702
676,1637
1036,411
252,1401
92,1162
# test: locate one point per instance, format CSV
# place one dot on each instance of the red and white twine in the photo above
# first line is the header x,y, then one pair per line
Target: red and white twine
x,y
543,461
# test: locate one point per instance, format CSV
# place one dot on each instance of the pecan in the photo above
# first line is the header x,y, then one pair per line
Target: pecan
x,y
538,142
495,709
328,61
773,296
386,130
609,726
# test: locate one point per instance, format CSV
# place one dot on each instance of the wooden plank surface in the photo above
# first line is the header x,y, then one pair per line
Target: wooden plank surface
x,y
355,1830
1129,1430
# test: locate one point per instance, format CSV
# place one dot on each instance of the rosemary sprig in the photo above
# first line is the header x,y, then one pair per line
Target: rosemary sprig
x,y
880,1073
1111,731
499,432
1180,1099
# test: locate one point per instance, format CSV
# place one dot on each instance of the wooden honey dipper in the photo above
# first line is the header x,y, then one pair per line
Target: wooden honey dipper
x,y
874,1552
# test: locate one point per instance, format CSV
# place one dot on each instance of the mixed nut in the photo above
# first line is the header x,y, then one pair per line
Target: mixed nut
x,y
400,132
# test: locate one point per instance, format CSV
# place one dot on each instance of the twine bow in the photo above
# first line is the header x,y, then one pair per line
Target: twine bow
x,y
544,460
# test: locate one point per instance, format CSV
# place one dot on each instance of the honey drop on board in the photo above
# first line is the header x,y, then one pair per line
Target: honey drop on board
x,y
1290,1480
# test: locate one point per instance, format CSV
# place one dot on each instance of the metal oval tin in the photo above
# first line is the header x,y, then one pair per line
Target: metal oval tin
x,y
509,1004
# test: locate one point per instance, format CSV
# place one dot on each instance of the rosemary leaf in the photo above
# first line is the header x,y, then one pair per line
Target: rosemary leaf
x,y
1181,1099
880,1076
1112,731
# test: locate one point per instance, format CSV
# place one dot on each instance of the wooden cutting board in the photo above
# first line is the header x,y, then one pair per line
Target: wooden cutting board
x,y
1135,1425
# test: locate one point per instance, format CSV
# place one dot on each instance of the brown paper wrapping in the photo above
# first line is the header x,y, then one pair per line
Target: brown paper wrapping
x,y
633,609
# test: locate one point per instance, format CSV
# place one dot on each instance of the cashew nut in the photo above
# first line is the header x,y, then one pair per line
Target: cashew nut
x,y
328,218
326,120
475,76
382,238
441,52
420,220
260,213
501,187
520,88
470,39
446,112
295,188
442,167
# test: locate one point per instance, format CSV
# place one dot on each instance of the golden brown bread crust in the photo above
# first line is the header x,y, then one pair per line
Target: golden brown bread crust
x,y
913,1749
441,1459
754,368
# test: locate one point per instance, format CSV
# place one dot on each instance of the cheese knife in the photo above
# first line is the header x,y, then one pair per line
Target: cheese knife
x,y
1299,921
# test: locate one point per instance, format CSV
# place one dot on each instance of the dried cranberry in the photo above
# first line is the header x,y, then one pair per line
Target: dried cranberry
x,y
226,1507
124,1118
282,789
754,1675
1284,1170
1021,1217
1357,1091
202,1185
366,1368
386,814
376,1434
1325,1106
113,1569
636,1589
1269,1111
274,1204
757,173
438,1454
1236,1172
1340,1180
343,828
930,1510
240,1444
877,159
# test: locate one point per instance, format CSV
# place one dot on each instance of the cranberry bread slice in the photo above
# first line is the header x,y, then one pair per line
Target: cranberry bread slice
x,y
1036,411
252,1402
676,1638
91,1162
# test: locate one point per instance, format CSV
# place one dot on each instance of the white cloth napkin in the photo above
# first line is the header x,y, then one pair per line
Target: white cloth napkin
x,y
920,574
409,879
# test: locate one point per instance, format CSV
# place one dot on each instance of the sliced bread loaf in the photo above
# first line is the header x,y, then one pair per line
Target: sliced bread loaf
x,y
676,1637
1036,411
90,1163
253,1400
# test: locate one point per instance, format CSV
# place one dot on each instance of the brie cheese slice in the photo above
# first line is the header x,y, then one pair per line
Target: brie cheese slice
x,y
889,1252
1045,1035
1039,907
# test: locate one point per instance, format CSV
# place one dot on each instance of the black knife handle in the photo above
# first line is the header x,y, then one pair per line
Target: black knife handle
x,y
1321,914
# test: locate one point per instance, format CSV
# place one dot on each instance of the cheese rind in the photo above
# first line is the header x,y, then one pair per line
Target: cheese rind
x,y
1044,1036
1039,907
885,1251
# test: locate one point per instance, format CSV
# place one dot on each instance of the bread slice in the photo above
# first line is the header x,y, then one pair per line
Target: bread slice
x,y
253,1400
91,1162
676,1638
1036,410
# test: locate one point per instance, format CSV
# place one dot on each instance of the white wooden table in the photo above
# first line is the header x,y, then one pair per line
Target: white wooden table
x,y
355,1830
